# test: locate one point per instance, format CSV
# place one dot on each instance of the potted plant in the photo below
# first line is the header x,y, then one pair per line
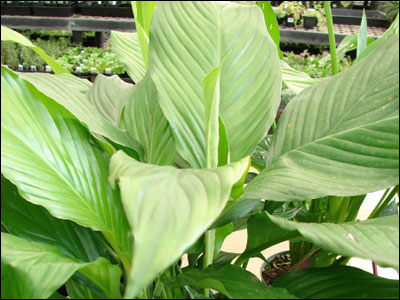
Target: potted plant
x,y
105,8
293,11
310,18
279,14
103,166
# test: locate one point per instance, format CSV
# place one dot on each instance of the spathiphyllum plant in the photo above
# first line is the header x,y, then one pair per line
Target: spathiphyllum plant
x,y
106,186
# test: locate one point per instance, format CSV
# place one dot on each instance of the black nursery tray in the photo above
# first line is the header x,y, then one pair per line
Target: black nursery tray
x,y
15,9
106,11
53,11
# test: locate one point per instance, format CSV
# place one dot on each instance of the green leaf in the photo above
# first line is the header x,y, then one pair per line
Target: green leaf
x,y
235,210
262,233
296,80
143,12
339,137
8,34
38,136
362,35
392,30
188,40
145,122
338,282
78,104
212,94
34,223
220,234
108,95
375,239
271,23
154,195
126,47
77,290
31,270
223,145
230,280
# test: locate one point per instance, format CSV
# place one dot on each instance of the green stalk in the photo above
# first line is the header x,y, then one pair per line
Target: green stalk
x,y
331,32
208,253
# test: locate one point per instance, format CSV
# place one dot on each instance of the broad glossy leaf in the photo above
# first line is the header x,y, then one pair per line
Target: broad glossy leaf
x,y
230,280
31,270
188,40
34,223
362,35
154,195
145,122
263,233
78,104
77,290
8,34
339,137
296,80
108,95
220,235
126,47
338,282
143,12
46,153
376,239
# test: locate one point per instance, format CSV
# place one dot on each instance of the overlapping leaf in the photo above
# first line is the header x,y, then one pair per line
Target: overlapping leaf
x,y
339,137
33,222
145,122
126,47
46,153
337,282
232,281
31,270
188,40
175,205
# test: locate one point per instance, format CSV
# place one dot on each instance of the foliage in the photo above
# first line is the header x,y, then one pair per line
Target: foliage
x,y
138,175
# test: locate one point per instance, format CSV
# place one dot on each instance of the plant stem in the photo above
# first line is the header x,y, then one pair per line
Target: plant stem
x,y
208,253
331,32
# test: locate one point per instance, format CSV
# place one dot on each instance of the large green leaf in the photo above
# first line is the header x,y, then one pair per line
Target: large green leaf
x,y
126,47
33,222
8,34
86,111
31,270
145,122
376,239
232,281
296,80
46,153
339,137
339,282
143,12
174,205
188,40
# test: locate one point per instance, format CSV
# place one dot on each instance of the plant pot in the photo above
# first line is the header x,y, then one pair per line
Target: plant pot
x,y
309,22
15,9
270,260
281,20
289,21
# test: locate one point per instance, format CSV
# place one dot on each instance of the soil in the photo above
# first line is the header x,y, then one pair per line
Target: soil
x,y
278,266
